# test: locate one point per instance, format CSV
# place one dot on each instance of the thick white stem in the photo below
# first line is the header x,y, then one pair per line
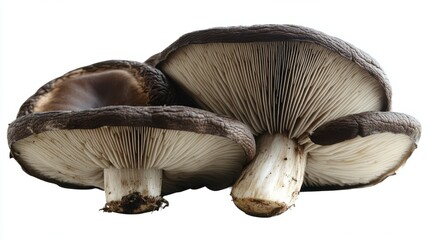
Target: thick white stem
x,y
133,190
272,181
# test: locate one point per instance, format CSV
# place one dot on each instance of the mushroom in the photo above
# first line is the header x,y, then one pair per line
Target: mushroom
x,y
137,154
359,150
88,129
113,82
284,82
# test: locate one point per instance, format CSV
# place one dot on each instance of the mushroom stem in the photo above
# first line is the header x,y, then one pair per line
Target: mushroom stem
x,y
272,181
133,190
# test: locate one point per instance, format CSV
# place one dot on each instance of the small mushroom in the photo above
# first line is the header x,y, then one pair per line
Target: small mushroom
x,y
107,83
284,82
359,150
136,154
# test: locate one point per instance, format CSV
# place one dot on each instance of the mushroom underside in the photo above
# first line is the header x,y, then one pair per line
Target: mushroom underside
x,y
356,162
80,156
286,87
136,154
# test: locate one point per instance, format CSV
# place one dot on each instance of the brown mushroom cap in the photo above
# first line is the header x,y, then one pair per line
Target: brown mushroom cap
x,y
359,150
195,148
113,82
275,78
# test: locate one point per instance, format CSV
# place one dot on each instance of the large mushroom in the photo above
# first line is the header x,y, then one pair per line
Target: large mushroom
x,y
79,131
284,82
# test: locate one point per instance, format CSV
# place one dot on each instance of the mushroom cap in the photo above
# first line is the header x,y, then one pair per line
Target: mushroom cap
x,y
113,82
275,78
359,150
194,148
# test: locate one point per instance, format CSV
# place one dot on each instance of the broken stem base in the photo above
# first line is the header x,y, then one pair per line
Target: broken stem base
x,y
271,183
133,191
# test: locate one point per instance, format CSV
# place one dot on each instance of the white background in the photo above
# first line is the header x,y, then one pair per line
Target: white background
x,y
41,40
